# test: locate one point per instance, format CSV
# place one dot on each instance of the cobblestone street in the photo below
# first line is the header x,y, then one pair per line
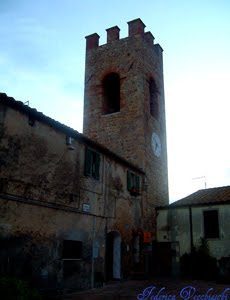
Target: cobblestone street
x,y
174,289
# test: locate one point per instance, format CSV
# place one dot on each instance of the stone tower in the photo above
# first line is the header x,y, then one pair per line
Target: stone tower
x,y
124,107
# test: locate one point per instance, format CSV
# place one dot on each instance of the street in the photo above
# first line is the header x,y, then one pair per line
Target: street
x,y
156,289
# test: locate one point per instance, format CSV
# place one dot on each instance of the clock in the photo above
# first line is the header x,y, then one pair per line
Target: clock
x,y
156,144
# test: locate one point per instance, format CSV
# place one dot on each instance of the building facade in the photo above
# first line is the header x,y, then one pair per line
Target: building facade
x,y
79,209
184,224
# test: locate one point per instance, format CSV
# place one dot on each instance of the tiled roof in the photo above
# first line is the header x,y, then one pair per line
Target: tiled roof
x,y
36,115
217,195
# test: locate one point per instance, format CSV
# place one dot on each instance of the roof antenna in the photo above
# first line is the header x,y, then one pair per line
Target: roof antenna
x,y
201,177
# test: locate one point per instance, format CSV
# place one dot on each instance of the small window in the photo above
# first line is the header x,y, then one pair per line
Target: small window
x,y
3,185
68,140
92,163
111,91
133,183
72,249
211,224
153,99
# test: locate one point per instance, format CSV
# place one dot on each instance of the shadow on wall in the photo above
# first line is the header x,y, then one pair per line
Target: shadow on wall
x,y
199,264
27,257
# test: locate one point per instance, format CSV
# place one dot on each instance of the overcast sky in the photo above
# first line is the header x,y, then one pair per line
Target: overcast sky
x,y
42,54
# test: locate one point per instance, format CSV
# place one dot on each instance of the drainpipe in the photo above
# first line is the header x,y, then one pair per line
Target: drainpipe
x,y
93,238
191,229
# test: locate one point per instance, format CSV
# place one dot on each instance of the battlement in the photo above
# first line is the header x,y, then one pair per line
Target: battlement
x,y
135,28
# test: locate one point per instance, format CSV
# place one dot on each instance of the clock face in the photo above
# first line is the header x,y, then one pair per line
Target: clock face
x,y
156,144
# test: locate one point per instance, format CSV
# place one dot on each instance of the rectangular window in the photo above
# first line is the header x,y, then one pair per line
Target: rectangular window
x,y
133,183
3,185
211,224
92,163
72,249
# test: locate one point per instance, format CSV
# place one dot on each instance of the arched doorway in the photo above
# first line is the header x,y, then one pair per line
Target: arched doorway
x,y
113,255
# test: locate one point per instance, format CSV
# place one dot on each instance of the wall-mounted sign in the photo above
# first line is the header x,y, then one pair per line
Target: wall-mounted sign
x,y
147,237
86,207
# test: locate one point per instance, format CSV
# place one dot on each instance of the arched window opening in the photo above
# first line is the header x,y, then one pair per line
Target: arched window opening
x,y
153,99
111,89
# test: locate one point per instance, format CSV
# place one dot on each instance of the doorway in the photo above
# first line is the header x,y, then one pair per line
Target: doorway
x,y
164,258
113,255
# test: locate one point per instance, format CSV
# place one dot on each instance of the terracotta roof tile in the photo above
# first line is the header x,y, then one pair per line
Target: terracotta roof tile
x,y
207,196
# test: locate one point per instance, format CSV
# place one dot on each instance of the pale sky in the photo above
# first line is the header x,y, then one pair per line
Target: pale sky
x,y
42,55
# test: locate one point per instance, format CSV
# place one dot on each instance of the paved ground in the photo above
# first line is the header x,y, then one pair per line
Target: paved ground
x,y
133,289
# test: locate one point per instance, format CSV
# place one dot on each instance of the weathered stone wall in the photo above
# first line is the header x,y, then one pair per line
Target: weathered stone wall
x,y
173,226
219,247
37,156
129,131
33,238
43,189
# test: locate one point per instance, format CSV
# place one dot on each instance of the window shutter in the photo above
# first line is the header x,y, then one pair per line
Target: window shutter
x,y
129,184
137,183
97,166
88,157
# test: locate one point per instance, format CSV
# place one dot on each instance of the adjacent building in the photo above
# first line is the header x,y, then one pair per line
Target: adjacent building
x,y
182,225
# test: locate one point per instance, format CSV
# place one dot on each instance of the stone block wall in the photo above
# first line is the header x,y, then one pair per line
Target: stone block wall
x,y
128,132
43,194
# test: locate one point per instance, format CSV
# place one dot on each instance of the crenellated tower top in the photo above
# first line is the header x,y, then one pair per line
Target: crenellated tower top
x,y
135,28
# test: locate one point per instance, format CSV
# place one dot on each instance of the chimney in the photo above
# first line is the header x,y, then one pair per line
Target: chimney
x,y
136,27
92,41
113,34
